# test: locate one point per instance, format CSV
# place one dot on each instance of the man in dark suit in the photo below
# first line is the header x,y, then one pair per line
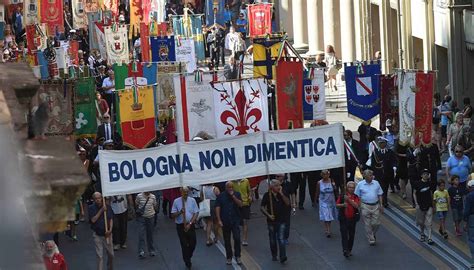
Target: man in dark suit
x,y
231,70
107,131
352,155
384,166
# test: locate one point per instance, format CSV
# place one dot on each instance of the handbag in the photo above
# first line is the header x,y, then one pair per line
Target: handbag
x,y
140,211
204,207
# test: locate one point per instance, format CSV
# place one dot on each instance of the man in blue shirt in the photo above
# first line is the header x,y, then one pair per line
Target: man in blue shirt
x,y
460,165
228,205
241,25
102,234
370,194
185,212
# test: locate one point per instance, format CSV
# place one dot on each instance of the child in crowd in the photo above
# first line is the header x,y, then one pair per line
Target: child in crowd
x,y
455,195
441,205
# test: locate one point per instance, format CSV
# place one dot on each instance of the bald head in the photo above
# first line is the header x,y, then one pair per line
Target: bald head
x,y
229,187
97,197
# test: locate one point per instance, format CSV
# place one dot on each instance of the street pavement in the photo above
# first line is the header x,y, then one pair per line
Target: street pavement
x,y
397,246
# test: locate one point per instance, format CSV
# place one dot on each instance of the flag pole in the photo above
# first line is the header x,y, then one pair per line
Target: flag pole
x,y
105,220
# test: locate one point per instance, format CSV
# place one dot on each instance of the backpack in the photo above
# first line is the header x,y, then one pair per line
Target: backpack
x,y
436,116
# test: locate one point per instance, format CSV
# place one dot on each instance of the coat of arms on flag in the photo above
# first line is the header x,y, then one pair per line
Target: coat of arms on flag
x,y
363,91
260,19
84,108
116,44
265,53
289,78
163,49
314,96
415,106
241,107
194,106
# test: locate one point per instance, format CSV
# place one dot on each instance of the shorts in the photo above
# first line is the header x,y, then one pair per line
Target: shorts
x,y
424,218
444,131
442,214
457,214
245,212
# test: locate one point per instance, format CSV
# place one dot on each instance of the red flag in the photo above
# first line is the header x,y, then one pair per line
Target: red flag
x,y
52,15
145,42
30,38
289,95
74,52
388,100
260,19
423,107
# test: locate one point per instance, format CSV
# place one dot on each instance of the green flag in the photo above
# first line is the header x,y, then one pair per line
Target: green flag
x,y
85,108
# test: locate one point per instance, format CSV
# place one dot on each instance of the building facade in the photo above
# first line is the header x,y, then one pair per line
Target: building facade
x,y
410,34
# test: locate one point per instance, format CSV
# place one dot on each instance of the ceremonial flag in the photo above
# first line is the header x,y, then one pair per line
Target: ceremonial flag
x,y
163,49
73,52
314,96
388,100
198,36
30,12
165,90
240,107
137,116
260,19
150,72
79,17
111,5
30,38
146,6
117,44
136,16
145,42
61,57
91,6
416,106
101,42
56,98
215,12
265,53
125,75
85,108
194,106
52,15
185,54
363,91
158,10
93,18
43,64
289,94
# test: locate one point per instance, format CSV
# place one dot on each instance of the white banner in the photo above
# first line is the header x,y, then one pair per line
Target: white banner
x,y
315,95
185,53
99,33
79,17
117,44
406,105
198,163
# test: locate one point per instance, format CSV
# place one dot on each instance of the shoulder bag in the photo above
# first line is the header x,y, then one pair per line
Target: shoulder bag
x,y
140,211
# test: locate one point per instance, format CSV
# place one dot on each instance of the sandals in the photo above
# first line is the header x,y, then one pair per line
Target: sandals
x,y
430,242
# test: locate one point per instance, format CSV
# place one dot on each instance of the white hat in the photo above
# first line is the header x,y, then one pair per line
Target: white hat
x,y
382,139
198,139
470,184
388,123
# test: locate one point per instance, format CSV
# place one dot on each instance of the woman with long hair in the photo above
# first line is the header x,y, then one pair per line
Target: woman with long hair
x,y
331,62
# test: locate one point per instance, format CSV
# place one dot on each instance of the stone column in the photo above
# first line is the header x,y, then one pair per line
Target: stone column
x,y
407,39
428,40
347,30
284,12
329,23
298,21
315,24
386,44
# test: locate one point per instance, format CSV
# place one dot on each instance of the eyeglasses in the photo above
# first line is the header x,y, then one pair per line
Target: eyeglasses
x,y
106,117
458,151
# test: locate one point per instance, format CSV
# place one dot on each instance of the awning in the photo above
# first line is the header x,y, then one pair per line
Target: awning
x,y
469,28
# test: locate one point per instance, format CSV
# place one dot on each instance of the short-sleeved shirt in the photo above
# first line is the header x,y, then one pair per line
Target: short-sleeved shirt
x,y
243,187
349,210
460,167
444,108
119,204
148,207
107,83
229,210
455,197
280,209
242,22
99,226
191,209
369,193
424,197
441,199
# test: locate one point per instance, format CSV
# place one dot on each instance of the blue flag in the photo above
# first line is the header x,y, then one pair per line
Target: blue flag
x,y
219,5
363,89
162,49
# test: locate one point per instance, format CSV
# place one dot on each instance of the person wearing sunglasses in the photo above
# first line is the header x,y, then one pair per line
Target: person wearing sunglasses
x,y
460,165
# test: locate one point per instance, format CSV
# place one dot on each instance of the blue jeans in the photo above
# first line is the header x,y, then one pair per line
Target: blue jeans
x,y
145,228
276,233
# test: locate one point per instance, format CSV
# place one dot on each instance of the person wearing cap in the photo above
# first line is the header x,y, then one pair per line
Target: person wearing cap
x,y
455,132
424,206
370,193
383,163
468,217
390,135
460,165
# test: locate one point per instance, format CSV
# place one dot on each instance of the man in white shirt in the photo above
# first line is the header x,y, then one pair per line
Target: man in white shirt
x,y
370,194
185,212
230,39
108,86
119,234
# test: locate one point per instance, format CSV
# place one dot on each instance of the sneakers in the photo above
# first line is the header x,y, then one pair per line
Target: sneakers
x,y
283,259
430,242
245,243
228,262
152,254
116,247
124,246
141,255
422,238
404,196
239,261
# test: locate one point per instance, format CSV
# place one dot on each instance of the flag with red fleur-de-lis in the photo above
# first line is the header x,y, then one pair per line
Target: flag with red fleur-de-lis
x,y
241,107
